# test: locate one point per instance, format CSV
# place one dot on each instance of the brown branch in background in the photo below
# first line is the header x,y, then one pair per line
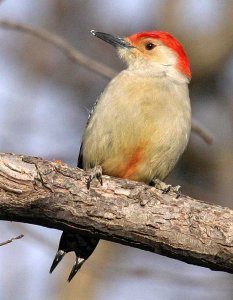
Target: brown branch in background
x,y
11,240
200,130
73,54
54,195
79,58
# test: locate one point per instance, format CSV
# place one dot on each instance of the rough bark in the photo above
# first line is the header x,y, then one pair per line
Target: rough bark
x,y
54,195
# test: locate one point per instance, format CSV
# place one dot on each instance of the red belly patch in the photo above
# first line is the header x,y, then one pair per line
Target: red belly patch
x,y
130,169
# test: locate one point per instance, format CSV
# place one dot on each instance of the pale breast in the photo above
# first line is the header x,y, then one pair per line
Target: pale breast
x,y
139,128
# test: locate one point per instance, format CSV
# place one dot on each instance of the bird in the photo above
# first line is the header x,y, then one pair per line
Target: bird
x,y
139,126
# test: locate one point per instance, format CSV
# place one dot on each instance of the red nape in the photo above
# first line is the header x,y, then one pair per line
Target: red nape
x,y
170,42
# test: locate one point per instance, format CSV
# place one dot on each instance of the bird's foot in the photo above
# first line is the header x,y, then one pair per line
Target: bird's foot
x,y
166,188
96,172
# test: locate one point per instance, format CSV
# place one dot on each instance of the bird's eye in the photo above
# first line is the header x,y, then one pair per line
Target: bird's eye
x,y
150,46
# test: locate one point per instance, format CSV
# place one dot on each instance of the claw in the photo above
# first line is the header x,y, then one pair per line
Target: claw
x,y
177,190
77,265
166,188
60,254
96,172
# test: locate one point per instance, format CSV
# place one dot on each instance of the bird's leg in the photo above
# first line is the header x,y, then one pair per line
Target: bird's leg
x,y
95,172
160,185
166,188
81,244
177,190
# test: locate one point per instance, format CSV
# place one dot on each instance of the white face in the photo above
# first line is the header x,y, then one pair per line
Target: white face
x,y
152,57
149,51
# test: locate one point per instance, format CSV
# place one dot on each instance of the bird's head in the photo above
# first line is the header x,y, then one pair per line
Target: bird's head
x,y
152,52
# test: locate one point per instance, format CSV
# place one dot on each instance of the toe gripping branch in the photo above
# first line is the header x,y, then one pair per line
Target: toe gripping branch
x,y
82,245
166,188
96,172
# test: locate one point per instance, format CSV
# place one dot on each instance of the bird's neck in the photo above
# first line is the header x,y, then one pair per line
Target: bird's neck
x,y
159,71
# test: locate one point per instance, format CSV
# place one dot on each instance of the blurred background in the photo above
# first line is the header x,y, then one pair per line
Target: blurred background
x,y
44,103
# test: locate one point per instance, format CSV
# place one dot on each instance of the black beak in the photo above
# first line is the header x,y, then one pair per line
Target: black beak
x,y
113,40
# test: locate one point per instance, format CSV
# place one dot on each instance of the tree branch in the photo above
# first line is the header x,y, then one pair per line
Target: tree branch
x,y
11,240
79,58
51,194
200,130
70,52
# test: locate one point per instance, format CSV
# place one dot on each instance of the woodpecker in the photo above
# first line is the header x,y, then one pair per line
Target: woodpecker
x,y
140,125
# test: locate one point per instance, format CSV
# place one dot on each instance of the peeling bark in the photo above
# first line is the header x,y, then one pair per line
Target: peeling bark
x,y
51,194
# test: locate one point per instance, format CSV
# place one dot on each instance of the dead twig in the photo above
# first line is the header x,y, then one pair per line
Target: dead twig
x,y
73,54
200,130
11,240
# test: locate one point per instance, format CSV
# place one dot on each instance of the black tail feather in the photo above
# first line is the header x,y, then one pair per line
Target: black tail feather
x,y
81,244
77,265
59,255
